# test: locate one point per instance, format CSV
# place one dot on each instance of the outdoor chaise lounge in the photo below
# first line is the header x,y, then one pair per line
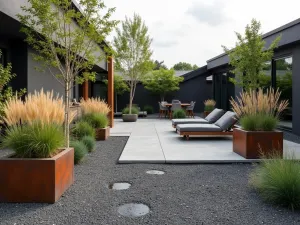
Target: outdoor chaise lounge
x,y
222,127
211,118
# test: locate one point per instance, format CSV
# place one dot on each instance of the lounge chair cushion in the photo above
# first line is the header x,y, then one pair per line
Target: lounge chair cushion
x,y
198,128
214,115
187,121
227,120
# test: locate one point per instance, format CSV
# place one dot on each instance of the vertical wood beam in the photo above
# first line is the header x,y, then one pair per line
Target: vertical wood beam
x,y
110,88
85,90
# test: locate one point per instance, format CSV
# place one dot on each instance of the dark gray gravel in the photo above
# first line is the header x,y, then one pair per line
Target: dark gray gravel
x,y
185,194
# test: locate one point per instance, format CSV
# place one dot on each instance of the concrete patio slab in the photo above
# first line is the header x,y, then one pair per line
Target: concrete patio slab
x,y
155,141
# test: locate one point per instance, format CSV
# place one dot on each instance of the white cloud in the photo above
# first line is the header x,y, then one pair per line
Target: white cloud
x,y
194,30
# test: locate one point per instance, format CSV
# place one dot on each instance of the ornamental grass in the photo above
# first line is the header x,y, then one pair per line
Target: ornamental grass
x,y
209,105
40,106
94,105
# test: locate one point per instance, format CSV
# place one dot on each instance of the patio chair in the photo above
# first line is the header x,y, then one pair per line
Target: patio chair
x,y
190,109
163,110
211,118
175,101
174,107
223,127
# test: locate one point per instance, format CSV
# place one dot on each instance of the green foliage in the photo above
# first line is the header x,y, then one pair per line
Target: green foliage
x,y
278,181
68,39
132,45
148,109
81,129
120,86
162,82
159,65
35,140
209,108
184,66
134,110
89,142
6,92
179,114
249,56
96,120
80,151
259,122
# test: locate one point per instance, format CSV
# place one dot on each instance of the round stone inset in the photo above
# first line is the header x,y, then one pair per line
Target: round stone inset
x,y
155,172
119,186
133,210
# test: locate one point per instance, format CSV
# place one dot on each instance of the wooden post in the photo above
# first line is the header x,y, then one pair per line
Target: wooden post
x,y
85,90
110,88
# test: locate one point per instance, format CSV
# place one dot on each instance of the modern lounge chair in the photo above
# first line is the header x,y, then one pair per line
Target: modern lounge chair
x,y
211,118
222,127
190,109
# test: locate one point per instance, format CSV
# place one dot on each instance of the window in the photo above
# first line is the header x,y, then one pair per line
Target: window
x,y
265,80
283,81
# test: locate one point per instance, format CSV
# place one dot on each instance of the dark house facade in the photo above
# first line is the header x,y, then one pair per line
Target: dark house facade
x,y
282,72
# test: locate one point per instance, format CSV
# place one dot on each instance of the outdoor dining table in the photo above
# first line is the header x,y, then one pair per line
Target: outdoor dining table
x,y
182,104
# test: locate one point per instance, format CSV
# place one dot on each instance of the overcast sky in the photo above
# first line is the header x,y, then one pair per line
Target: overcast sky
x,y
194,30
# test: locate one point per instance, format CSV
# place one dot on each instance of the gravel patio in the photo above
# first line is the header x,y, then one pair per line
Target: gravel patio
x,y
185,194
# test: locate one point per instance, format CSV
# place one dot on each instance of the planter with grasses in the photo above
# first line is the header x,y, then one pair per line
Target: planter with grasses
x,y
99,122
40,169
259,115
209,106
130,117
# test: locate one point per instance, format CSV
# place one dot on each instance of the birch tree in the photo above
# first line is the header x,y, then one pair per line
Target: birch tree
x,y
69,39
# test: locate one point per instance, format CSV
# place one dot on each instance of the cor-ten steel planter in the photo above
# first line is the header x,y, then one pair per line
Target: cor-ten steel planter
x,y
102,133
251,144
36,179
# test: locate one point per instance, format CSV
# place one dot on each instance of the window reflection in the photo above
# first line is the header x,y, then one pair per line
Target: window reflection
x,y
265,80
284,84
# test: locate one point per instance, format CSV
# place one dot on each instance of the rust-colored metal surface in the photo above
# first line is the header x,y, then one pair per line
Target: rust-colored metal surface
x,y
206,113
204,133
102,133
251,144
110,87
36,180
85,91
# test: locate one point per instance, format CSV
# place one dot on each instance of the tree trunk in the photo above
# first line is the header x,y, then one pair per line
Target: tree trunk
x,y
130,99
67,108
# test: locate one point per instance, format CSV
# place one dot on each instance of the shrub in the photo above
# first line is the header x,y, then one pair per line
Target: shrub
x,y
259,122
96,120
209,105
34,140
81,129
278,181
148,109
179,113
134,110
94,105
89,142
80,150
40,106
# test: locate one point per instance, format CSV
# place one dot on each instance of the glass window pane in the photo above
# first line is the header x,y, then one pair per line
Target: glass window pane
x,y
265,78
284,84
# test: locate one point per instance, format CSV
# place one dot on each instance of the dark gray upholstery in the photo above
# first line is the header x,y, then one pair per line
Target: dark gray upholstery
x,y
188,121
198,128
227,120
215,115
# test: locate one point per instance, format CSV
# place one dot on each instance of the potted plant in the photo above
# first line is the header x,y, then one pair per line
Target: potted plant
x,y
259,114
40,169
99,122
209,106
130,117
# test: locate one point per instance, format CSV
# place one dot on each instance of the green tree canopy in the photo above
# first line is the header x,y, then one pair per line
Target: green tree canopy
x,y
162,82
67,39
184,66
159,64
249,56
120,85
133,53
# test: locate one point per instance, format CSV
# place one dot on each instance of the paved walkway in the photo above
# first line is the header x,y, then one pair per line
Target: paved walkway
x,y
155,141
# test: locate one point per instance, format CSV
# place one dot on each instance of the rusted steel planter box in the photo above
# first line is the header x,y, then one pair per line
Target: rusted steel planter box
x,y
102,133
36,180
206,113
250,144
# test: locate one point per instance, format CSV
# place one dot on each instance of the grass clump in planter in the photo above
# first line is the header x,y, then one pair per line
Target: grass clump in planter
x,y
259,122
179,114
80,151
96,120
35,140
81,129
134,110
209,105
148,109
89,142
278,181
